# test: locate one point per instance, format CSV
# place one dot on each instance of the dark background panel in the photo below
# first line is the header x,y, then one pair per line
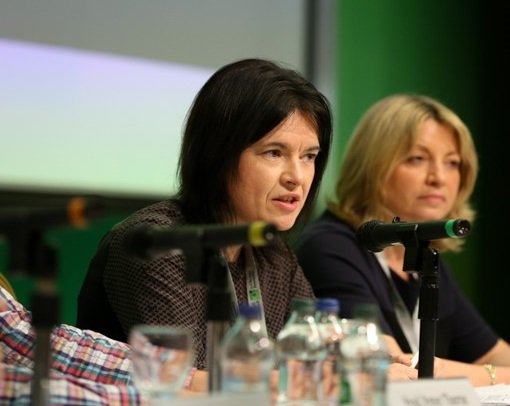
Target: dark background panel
x,y
455,52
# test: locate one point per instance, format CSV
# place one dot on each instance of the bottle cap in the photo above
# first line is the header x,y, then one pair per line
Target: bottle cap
x,y
250,311
327,304
302,304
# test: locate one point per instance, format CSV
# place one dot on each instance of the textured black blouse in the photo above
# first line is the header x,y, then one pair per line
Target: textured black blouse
x,y
121,291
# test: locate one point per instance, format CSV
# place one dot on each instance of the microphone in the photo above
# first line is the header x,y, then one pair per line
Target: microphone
x,y
149,241
375,235
76,212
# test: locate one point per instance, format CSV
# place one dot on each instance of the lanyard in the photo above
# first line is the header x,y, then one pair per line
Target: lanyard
x,y
253,291
410,325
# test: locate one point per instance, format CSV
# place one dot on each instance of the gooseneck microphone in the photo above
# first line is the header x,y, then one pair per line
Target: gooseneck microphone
x,y
150,241
375,235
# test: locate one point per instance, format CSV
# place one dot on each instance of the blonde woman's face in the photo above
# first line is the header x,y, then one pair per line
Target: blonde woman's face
x,y
425,184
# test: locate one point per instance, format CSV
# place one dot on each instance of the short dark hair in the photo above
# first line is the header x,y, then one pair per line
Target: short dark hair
x,y
238,105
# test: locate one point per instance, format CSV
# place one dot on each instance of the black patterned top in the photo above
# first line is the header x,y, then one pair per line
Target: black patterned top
x,y
129,291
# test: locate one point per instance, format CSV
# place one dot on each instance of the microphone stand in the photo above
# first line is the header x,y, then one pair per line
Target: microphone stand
x,y
31,254
208,267
424,260
219,307
428,312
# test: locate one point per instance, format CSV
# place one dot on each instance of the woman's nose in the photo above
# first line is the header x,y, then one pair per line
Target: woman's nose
x,y
293,173
436,173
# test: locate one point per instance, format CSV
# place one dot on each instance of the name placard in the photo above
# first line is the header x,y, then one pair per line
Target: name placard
x,y
432,392
220,399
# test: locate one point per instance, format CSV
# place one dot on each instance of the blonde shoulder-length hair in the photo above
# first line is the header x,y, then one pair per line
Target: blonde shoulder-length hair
x,y
381,140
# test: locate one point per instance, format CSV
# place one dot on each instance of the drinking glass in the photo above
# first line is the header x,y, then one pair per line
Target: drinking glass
x,y
161,359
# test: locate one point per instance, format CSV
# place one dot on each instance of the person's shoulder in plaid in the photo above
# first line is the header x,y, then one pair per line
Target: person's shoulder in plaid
x,y
65,390
87,368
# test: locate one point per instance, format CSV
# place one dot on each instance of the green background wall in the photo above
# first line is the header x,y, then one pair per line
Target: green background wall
x,y
392,46
75,247
452,51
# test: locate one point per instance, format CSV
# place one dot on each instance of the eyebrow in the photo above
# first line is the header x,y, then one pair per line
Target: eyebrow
x,y
424,148
315,148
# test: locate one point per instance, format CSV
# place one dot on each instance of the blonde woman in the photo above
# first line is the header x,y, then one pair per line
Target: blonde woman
x,y
412,157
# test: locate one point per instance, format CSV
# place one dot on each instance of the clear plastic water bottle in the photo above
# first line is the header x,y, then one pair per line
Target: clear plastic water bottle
x,y
366,359
247,354
331,332
300,354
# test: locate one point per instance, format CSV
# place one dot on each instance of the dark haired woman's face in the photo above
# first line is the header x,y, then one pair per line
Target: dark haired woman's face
x,y
275,174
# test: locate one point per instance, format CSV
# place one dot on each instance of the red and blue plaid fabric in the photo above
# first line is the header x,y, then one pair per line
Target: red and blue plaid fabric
x,y
87,369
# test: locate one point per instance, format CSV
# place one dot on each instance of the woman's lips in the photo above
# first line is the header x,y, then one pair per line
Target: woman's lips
x,y
286,205
434,199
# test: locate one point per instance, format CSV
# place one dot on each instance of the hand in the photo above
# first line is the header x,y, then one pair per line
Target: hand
x,y
400,372
441,368
402,358
274,378
330,379
199,382
197,386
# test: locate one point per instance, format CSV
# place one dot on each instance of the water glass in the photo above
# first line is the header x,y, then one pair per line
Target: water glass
x,y
161,359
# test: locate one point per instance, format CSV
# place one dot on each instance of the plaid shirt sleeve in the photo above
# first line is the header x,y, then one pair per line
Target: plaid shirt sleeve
x,y
85,363
15,388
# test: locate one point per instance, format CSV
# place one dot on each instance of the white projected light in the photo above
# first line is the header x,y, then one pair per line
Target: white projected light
x,y
86,121
94,94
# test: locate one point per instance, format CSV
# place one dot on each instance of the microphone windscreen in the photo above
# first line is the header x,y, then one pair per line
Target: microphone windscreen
x,y
364,236
458,228
261,233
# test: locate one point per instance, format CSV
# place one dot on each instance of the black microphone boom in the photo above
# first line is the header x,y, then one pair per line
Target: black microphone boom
x,y
75,213
375,235
149,241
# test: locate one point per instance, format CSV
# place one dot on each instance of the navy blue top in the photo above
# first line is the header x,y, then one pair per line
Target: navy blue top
x,y
409,290
338,267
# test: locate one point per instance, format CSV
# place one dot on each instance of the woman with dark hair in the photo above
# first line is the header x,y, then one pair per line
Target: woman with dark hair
x,y
254,148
